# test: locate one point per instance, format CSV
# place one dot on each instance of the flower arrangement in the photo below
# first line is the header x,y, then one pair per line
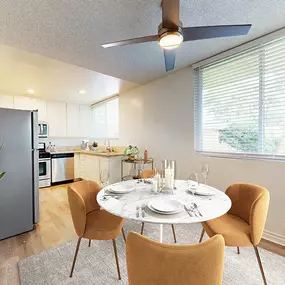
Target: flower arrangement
x,y
2,173
131,152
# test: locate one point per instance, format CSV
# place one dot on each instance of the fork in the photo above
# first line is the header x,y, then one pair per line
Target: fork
x,y
142,209
188,211
192,209
197,209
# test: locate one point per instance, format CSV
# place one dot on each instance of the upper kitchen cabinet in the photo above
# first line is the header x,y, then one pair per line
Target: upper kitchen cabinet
x,y
28,103
41,106
56,118
85,121
24,103
79,120
6,101
73,120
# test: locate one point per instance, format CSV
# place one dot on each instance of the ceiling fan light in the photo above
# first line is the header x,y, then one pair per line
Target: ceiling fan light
x,y
170,40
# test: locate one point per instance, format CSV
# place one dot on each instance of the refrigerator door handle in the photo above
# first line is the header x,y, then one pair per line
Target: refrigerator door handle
x,y
35,157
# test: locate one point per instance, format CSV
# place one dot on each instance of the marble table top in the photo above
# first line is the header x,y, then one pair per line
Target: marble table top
x,y
125,205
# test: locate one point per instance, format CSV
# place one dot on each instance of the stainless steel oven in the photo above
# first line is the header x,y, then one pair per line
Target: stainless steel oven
x,y
43,130
44,166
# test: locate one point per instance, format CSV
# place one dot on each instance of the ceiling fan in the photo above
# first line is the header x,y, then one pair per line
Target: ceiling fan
x,y
171,33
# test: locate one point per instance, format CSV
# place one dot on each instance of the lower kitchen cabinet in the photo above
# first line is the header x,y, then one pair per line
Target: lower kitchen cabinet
x,y
113,165
76,165
88,167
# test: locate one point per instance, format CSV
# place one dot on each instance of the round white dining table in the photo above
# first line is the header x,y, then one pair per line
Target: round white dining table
x,y
126,205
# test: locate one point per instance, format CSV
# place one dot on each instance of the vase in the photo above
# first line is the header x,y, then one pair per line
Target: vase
x,y
131,157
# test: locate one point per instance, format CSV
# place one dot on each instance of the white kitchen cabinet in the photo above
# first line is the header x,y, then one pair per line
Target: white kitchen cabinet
x,y
73,120
24,103
41,106
85,121
6,101
113,166
77,165
28,103
56,118
89,167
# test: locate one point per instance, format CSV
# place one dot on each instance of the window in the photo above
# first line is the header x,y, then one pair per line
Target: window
x,y
240,103
106,119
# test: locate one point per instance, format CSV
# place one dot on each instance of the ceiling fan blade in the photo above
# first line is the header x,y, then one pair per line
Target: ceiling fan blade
x,y
131,41
209,32
169,58
170,14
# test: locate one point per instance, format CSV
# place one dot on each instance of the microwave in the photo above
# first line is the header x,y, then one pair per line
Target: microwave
x,y
43,129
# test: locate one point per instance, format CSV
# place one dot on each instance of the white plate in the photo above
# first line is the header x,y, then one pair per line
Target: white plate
x,y
204,190
162,213
165,205
121,189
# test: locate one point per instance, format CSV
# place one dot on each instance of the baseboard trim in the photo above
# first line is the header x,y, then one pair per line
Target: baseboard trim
x,y
276,238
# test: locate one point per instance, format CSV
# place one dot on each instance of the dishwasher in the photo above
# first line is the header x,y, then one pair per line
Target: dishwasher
x,y
62,167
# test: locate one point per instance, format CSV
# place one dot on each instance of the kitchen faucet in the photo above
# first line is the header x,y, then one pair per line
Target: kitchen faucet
x,y
108,146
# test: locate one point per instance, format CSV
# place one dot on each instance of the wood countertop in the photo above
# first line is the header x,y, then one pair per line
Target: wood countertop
x,y
89,152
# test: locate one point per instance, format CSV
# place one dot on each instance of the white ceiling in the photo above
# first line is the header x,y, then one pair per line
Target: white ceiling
x,y
72,31
52,79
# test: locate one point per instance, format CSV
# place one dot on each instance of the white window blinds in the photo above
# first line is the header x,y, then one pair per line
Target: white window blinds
x,y
240,103
106,119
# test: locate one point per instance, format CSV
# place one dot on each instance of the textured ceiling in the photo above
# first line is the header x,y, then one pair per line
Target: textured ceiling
x,y
52,79
72,30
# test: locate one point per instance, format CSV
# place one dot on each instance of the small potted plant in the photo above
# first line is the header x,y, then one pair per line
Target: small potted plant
x,y
94,146
131,152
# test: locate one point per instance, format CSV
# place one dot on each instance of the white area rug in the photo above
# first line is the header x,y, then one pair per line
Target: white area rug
x,y
96,265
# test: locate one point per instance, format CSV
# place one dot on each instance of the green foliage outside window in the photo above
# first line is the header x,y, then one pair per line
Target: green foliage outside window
x,y
246,140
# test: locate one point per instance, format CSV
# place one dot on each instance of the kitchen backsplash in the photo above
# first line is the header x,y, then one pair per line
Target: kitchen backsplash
x,y
61,143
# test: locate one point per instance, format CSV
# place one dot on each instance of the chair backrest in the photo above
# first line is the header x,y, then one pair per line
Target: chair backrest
x,y
82,200
250,203
148,173
152,263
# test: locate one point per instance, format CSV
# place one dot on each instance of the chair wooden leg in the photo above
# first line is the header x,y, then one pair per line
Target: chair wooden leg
x,y
238,252
142,228
75,256
89,243
260,264
202,234
116,257
173,232
124,236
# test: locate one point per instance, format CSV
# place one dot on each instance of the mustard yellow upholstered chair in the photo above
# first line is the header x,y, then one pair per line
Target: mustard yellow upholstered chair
x,y
148,173
243,225
153,263
89,220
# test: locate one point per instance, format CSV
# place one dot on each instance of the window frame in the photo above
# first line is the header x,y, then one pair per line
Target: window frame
x,y
198,110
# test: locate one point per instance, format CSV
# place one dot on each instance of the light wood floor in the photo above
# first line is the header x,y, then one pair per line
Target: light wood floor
x,y
55,227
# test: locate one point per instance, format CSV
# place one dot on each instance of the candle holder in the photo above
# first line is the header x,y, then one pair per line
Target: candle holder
x,y
168,174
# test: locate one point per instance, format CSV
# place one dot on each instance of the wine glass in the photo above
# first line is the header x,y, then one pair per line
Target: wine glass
x,y
205,172
104,177
193,182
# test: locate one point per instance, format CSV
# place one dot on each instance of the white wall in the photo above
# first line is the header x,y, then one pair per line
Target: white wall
x,y
160,116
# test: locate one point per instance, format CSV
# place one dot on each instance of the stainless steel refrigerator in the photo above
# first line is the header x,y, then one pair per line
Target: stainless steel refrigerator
x,y
19,187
